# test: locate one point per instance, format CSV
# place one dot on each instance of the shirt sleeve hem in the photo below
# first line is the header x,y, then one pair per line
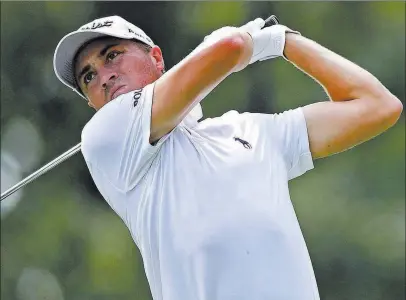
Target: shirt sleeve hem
x,y
304,162
146,122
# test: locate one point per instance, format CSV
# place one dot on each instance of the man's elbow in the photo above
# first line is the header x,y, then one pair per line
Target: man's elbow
x,y
391,108
394,107
387,108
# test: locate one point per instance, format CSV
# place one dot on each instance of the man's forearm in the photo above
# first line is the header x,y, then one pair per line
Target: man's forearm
x,y
342,79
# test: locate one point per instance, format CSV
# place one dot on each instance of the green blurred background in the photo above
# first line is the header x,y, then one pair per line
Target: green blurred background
x,y
59,239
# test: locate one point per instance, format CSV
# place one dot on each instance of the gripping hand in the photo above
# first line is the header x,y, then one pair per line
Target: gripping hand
x,y
268,42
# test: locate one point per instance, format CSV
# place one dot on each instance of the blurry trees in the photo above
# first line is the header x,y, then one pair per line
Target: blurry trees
x,y
351,207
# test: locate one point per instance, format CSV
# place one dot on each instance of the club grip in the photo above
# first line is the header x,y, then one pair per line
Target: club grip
x,y
272,20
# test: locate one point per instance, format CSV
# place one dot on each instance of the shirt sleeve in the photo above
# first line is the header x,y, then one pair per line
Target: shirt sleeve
x,y
288,133
115,142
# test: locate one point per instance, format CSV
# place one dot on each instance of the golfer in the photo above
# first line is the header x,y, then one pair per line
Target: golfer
x,y
207,201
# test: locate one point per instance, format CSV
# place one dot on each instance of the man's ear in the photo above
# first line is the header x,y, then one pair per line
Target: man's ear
x,y
156,54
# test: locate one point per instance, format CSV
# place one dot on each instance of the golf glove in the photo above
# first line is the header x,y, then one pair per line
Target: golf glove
x,y
269,42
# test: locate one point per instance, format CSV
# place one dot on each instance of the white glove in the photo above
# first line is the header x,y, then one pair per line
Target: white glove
x,y
269,42
253,27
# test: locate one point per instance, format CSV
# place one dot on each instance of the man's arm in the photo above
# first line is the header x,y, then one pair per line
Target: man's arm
x,y
361,106
194,77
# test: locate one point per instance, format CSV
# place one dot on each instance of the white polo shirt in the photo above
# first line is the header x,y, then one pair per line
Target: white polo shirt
x,y
209,205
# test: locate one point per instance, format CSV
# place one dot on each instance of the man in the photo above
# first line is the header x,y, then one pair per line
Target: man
x,y
207,203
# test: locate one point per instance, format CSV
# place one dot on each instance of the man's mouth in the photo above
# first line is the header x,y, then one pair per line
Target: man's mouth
x,y
117,91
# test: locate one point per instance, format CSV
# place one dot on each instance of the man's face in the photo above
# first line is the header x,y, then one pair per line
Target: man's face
x,y
109,67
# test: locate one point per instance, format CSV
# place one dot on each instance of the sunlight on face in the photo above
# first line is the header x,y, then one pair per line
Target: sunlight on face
x,y
109,67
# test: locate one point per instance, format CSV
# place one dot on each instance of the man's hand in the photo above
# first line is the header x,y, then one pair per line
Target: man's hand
x,y
269,42
253,27
219,34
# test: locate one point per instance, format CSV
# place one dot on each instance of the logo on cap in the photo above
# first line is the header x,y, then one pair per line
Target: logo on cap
x,y
140,36
96,25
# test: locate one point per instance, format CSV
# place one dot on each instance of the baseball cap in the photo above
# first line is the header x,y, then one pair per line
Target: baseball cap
x,y
114,26
66,49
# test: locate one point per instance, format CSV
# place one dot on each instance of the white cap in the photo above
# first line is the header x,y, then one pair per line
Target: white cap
x,y
65,52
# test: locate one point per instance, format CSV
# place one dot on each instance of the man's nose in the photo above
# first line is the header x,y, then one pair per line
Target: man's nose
x,y
108,77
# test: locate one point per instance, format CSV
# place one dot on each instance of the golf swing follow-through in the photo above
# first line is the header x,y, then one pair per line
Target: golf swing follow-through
x,y
272,20
207,201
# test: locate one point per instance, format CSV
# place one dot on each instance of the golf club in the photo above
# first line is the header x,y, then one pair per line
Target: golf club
x,y
41,171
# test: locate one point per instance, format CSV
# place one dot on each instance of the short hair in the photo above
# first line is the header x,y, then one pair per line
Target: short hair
x,y
144,47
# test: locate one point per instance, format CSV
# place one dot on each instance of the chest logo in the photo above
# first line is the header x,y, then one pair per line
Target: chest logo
x,y
244,143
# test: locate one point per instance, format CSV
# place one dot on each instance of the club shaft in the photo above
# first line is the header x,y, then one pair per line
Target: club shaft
x,y
61,158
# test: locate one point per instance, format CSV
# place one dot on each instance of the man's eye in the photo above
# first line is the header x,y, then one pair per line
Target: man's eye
x,y
88,77
112,55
